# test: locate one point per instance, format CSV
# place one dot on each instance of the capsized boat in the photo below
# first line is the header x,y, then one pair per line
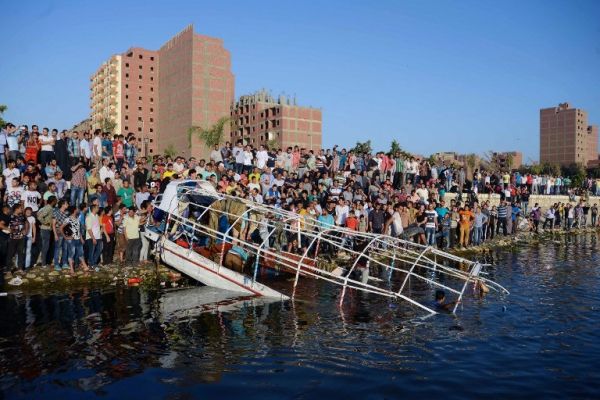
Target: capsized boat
x,y
227,242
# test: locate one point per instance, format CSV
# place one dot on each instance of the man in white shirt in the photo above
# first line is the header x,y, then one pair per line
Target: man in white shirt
x,y
262,156
341,212
93,234
105,171
215,155
31,197
179,165
86,149
11,171
97,146
47,142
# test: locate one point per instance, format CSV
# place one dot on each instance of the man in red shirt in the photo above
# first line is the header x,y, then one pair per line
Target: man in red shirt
x,y
119,151
352,221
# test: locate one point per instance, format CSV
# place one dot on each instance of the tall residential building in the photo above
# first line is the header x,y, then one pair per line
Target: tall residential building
x,y
196,88
124,92
565,137
159,95
105,87
260,119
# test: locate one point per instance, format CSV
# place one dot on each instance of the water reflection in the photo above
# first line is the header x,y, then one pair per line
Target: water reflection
x,y
127,342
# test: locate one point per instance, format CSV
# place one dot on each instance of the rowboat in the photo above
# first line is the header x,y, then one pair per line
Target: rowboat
x,y
224,241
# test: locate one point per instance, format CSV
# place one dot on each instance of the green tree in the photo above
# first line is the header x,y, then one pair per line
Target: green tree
x,y
576,172
471,161
272,144
362,147
210,136
170,151
3,109
108,125
395,147
550,169
509,161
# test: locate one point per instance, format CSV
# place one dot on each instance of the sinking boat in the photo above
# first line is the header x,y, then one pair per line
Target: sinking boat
x,y
228,242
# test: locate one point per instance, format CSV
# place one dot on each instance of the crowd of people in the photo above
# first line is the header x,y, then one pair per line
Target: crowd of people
x,y
82,200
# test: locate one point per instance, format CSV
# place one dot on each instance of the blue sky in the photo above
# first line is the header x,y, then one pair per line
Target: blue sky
x,y
467,76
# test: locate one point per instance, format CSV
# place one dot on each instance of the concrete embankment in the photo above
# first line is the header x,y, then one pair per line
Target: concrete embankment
x,y
110,275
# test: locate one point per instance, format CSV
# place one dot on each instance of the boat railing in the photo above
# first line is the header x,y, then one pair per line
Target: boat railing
x,y
381,251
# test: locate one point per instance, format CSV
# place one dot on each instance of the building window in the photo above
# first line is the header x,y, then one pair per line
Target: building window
x,y
139,108
151,58
152,78
126,128
140,76
126,75
126,96
140,98
140,87
151,130
141,57
126,107
151,109
140,67
139,129
151,89
151,99
126,117
126,65
151,68
127,86
151,119
140,119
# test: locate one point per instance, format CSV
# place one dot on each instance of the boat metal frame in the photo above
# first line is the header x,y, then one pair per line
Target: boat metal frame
x,y
394,255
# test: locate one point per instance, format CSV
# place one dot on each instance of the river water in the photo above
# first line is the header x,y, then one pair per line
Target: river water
x,y
542,341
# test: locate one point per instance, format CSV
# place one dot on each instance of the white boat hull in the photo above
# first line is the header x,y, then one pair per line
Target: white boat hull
x,y
212,274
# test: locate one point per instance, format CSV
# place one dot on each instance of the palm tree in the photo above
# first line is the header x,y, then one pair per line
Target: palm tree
x,y
170,151
2,110
108,125
210,136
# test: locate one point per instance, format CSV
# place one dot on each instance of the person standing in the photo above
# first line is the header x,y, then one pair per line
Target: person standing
x,y
502,218
78,183
32,148
479,220
47,143
71,230
126,194
431,223
466,216
131,151
30,237
74,148
131,229
119,151
16,244
60,215
44,216
108,235
93,237
32,198
61,153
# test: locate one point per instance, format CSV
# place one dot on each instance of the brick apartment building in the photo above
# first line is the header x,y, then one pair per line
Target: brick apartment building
x,y
196,88
261,119
124,91
566,137
159,95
